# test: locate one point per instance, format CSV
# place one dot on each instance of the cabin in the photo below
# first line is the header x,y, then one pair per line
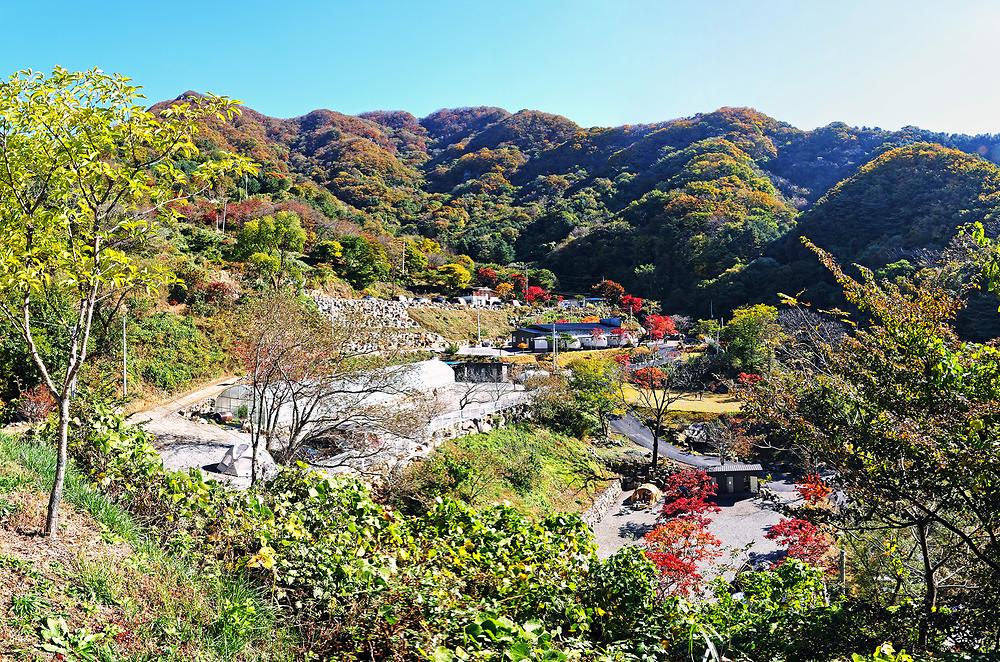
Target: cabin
x,y
736,477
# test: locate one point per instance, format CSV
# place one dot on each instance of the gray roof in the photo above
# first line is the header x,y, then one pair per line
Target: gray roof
x,y
733,467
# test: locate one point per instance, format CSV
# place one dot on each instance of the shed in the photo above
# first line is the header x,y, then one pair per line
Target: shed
x,y
736,477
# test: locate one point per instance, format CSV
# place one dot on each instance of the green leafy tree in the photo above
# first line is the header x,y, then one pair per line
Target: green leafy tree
x,y
87,172
903,414
594,383
279,236
363,261
750,337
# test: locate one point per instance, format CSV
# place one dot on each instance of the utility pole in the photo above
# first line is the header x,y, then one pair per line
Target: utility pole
x,y
555,348
124,356
479,328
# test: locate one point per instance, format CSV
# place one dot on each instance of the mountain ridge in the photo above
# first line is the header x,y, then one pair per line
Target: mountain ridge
x,y
665,207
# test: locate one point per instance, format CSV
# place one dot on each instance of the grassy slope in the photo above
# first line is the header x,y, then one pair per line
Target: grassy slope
x,y
104,576
460,325
567,478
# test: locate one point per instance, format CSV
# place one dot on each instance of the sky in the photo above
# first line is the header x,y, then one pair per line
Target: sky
x,y
885,63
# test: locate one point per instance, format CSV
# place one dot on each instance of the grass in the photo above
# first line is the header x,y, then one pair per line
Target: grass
x,y
535,470
460,325
118,594
709,403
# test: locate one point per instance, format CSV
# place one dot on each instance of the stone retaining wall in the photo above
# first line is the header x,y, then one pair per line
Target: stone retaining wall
x,y
402,332
604,502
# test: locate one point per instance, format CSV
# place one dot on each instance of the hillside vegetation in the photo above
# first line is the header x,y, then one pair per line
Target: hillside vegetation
x,y
534,469
664,208
107,590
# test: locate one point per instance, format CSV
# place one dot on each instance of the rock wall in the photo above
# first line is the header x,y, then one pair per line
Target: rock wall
x,y
604,502
401,330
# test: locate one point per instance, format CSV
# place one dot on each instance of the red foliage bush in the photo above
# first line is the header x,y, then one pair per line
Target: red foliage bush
x,y
687,493
676,548
802,540
36,403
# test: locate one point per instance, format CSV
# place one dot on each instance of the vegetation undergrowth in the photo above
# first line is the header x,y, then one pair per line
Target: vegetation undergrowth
x,y
534,469
106,590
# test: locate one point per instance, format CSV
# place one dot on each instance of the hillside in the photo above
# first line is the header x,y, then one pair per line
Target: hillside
x,y
105,590
665,208
902,206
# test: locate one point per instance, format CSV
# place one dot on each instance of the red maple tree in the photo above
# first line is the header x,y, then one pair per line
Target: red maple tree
x,y
813,490
610,291
687,493
631,304
802,540
659,326
486,276
677,547
536,293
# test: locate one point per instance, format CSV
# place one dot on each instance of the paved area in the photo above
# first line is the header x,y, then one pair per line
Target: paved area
x,y
623,526
183,443
740,526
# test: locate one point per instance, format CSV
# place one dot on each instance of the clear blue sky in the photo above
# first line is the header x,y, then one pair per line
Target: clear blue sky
x,y
877,63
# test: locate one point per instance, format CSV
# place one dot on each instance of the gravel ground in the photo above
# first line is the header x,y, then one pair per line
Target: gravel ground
x,y
740,526
623,526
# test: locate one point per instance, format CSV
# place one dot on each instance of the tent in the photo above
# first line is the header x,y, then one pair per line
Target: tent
x,y
646,494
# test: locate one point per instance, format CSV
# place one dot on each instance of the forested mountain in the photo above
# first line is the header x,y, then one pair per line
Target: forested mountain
x,y
675,211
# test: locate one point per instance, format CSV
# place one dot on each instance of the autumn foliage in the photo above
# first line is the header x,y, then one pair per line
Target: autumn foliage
x,y
682,542
813,490
659,326
802,540
687,493
677,547
631,304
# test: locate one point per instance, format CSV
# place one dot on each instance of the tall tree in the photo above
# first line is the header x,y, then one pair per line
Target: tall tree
x,y
650,390
904,416
85,175
333,383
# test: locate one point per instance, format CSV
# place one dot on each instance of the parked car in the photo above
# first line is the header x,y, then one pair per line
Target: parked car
x,y
439,300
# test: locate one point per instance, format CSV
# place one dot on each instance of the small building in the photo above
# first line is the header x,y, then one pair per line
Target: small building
x,y
481,371
571,303
736,477
481,297
607,332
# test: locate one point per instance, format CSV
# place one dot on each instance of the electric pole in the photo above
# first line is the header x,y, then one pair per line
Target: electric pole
x,y
124,356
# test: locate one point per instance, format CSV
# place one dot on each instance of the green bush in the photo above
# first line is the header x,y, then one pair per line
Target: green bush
x,y
452,583
169,351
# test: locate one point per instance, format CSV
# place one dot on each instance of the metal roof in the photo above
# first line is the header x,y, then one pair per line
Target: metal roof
x,y
733,467
569,327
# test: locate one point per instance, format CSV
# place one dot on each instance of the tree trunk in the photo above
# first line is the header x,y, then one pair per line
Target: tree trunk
x,y
55,497
930,586
656,446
